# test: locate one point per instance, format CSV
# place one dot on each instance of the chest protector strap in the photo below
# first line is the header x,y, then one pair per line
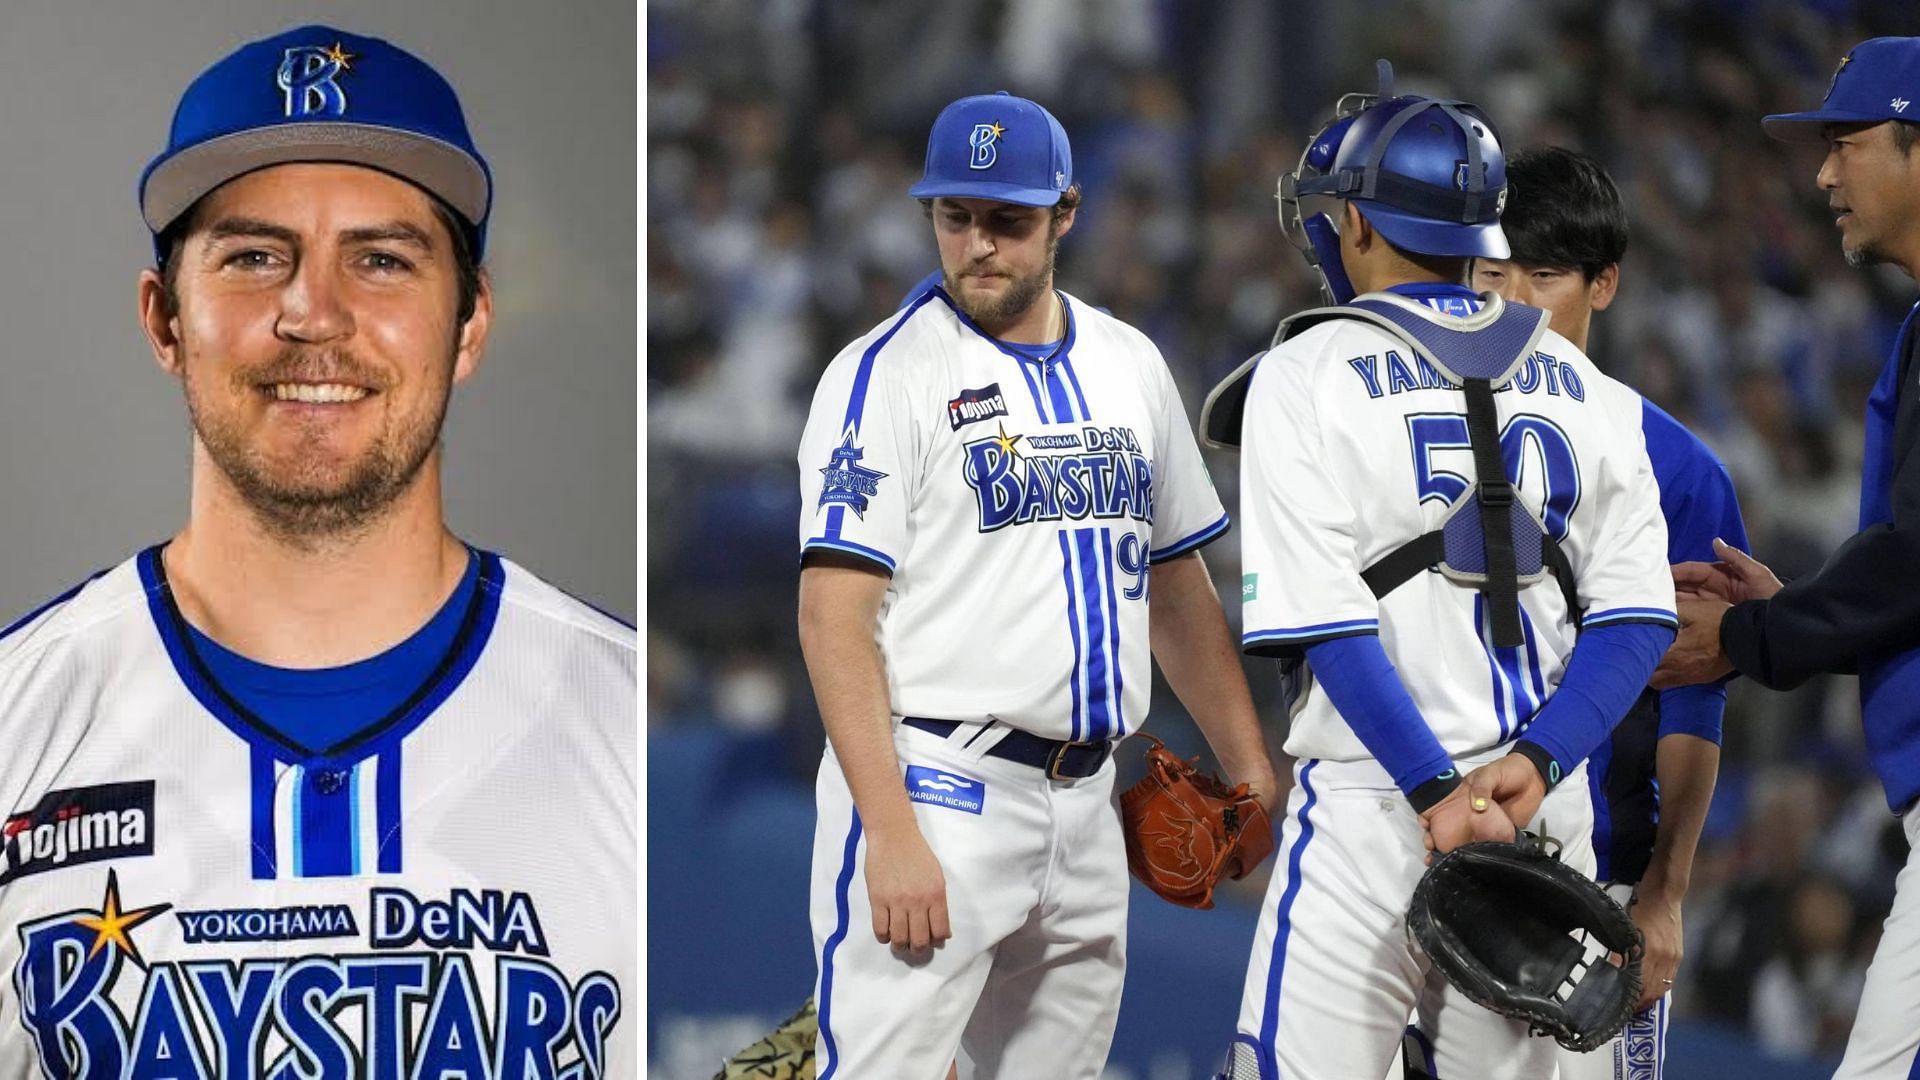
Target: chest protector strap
x,y
1489,539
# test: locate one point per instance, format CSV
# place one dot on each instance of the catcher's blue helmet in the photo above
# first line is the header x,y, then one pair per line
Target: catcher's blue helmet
x,y
1427,172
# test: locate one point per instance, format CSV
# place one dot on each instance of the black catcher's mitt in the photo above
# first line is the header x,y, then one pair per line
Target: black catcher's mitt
x,y
1524,934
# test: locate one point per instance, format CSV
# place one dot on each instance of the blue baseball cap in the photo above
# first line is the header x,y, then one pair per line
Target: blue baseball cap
x,y
316,94
1878,80
997,146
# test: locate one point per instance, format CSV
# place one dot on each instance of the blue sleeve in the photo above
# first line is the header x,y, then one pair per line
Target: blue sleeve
x,y
1698,501
1693,710
1609,667
1366,690
1696,491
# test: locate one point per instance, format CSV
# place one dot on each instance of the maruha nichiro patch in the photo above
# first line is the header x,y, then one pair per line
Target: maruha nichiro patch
x,y
943,788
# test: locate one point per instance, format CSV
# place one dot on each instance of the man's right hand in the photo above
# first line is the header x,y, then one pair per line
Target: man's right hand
x,y
1454,821
907,891
1737,577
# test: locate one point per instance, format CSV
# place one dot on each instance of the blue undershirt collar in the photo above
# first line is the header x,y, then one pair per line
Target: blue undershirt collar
x,y
322,706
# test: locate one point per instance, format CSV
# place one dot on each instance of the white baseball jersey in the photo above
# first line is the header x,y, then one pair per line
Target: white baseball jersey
x,y
1353,446
450,889
1017,503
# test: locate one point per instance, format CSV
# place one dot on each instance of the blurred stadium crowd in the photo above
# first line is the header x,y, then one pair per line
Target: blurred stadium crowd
x,y
783,134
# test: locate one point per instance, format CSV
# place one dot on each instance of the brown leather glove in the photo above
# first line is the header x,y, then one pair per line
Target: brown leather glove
x,y
1185,830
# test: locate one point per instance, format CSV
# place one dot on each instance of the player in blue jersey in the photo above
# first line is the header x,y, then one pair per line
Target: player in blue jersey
x,y
314,788
1860,612
1653,779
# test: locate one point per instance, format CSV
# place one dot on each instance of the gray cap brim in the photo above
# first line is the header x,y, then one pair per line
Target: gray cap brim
x,y
1808,127
440,167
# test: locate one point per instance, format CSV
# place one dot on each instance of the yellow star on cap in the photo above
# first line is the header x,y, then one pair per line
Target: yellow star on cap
x,y
999,129
340,56
112,924
1005,441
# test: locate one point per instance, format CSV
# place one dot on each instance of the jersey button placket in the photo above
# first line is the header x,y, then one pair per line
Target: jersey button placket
x,y
329,780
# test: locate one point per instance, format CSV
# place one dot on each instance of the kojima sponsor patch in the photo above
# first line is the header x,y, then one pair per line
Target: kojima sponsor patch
x,y
942,787
973,406
74,826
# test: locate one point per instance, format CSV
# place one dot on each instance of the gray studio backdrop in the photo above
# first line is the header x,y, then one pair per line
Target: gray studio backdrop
x,y
93,437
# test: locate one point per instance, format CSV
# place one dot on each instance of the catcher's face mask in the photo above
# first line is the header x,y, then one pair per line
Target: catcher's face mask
x,y
1317,236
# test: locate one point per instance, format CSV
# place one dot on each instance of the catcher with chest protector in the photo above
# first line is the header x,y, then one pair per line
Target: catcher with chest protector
x,y
1438,493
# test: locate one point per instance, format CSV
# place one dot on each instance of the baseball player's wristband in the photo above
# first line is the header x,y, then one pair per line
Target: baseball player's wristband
x,y
1428,795
1543,761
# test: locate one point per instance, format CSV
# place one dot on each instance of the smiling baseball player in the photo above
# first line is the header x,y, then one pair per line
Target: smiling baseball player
x,y
315,789
999,484
1438,493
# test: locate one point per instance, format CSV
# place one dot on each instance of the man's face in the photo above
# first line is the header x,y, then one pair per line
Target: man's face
x,y
1869,186
1563,291
997,257
316,338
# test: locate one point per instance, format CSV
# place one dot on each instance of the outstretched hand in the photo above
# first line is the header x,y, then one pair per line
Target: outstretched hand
x,y
1737,577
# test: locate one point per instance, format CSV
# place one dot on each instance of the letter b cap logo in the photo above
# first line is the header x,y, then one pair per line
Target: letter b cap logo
x,y
308,76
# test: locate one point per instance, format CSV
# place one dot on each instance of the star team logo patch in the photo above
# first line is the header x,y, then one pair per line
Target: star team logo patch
x,y
75,826
846,481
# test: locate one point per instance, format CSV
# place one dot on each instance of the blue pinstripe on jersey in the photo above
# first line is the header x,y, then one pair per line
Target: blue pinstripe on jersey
x,y
1076,677
1113,626
1101,664
1039,403
265,846
1513,702
1533,661
299,782
1058,395
386,812
1066,365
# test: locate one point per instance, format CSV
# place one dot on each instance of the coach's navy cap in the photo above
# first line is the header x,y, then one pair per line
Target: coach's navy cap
x,y
1878,80
318,94
997,146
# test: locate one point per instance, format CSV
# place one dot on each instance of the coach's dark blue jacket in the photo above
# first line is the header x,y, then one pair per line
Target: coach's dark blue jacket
x,y
1861,612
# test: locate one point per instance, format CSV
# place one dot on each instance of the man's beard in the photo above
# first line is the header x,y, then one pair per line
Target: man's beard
x,y
1863,256
1019,295
307,504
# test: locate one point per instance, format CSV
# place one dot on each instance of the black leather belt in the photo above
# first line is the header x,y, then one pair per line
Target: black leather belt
x,y
1059,759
